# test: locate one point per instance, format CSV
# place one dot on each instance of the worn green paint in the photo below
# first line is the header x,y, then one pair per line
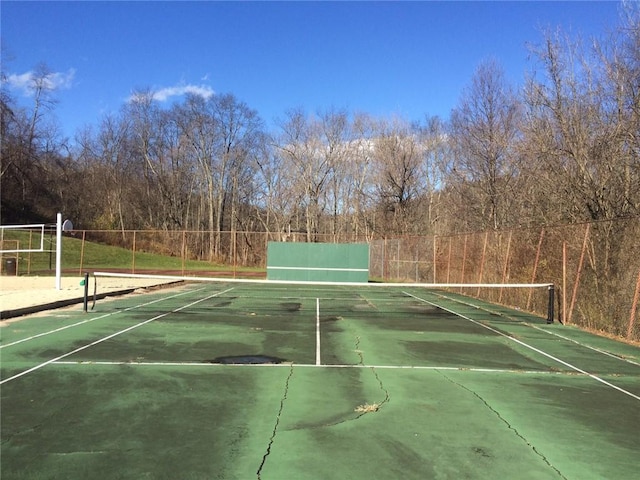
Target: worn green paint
x,y
439,416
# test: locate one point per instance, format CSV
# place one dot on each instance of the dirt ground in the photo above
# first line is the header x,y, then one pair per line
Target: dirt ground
x,y
23,292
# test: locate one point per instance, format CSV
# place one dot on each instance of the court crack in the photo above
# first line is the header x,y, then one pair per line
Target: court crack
x,y
364,409
505,421
277,423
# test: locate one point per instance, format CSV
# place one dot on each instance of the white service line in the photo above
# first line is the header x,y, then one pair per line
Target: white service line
x,y
317,331
530,347
312,365
37,367
95,318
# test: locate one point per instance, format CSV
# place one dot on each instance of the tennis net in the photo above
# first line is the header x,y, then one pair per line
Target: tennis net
x,y
507,300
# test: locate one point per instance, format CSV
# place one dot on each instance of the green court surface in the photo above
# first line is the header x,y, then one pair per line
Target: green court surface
x,y
235,381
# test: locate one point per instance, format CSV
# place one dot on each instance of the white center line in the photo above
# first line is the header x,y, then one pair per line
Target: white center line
x,y
318,331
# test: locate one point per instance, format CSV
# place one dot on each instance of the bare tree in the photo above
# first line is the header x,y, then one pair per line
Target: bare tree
x,y
238,130
484,129
30,144
582,129
359,196
107,155
436,153
198,129
400,176
308,166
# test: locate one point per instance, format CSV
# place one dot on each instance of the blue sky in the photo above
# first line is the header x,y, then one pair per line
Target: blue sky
x,y
397,58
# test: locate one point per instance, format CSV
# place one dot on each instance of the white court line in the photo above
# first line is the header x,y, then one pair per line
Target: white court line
x,y
313,365
111,336
93,319
530,347
317,331
595,349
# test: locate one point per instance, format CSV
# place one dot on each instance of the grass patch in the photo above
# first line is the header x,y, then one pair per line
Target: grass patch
x,y
80,255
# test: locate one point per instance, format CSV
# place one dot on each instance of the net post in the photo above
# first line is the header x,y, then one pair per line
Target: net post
x,y
552,294
86,292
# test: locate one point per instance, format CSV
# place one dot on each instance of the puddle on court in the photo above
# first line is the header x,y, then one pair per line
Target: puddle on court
x,y
247,360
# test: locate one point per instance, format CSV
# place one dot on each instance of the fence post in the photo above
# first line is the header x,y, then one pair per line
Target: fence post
x,y
183,251
435,255
464,258
505,270
133,253
398,258
482,259
29,255
564,281
84,236
384,258
449,261
535,266
578,273
634,307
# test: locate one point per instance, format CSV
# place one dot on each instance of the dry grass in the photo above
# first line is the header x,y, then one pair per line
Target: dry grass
x,y
366,408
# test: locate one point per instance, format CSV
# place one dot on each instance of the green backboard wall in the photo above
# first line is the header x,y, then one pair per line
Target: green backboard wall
x,y
318,262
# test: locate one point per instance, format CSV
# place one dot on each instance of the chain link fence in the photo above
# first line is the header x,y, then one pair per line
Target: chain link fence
x,y
595,267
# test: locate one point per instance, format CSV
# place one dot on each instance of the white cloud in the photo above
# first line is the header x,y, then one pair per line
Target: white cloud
x,y
164,94
29,82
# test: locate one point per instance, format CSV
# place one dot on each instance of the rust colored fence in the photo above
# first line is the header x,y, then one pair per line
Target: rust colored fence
x,y
595,267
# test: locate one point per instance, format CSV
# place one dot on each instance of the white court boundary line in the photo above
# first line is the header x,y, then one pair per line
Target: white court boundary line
x,y
309,365
530,347
108,337
595,349
43,334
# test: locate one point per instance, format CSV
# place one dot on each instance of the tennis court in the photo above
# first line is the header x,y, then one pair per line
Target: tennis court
x,y
241,380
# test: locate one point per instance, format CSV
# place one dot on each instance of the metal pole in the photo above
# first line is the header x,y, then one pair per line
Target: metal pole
x,y
551,303
564,281
578,274
634,306
59,252
449,261
133,253
84,236
86,292
535,267
435,257
505,270
464,259
484,253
